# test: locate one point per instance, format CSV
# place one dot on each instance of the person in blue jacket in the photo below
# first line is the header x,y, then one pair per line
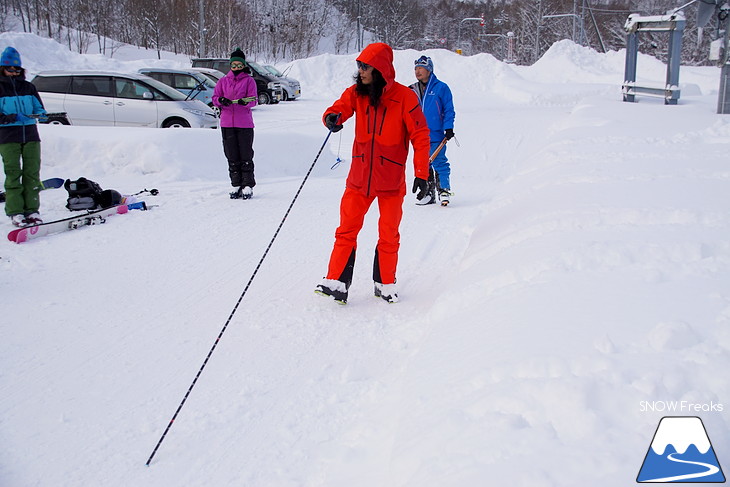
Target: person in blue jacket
x,y
19,139
438,107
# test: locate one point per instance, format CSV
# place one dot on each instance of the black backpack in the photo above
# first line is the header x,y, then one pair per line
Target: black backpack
x,y
83,194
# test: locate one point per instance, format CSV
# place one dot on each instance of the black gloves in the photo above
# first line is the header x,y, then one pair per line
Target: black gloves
x,y
449,134
331,122
241,101
420,185
224,101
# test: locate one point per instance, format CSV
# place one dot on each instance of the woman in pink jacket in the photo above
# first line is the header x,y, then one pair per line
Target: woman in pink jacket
x,y
235,94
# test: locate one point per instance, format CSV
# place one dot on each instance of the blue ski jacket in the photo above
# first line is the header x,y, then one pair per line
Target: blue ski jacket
x,y
437,105
18,96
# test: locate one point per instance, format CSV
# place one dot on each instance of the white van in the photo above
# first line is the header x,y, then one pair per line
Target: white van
x,y
120,99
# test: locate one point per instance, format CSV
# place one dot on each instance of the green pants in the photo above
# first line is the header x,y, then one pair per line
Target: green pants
x,y
22,181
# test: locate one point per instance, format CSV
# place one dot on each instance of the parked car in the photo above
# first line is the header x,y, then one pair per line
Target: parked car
x,y
213,74
268,87
193,84
290,87
57,118
120,99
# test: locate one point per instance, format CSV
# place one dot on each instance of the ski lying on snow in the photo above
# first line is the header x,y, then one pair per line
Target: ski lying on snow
x,y
47,184
24,234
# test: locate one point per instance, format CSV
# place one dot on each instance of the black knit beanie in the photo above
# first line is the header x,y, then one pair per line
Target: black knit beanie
x,y
238,55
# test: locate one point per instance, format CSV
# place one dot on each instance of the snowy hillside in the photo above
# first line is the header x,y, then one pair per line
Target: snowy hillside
x,y
582,270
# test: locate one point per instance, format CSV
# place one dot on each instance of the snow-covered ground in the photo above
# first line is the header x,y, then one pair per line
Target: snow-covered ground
x,y
580,276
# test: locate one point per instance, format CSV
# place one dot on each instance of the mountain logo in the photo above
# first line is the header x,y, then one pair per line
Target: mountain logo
x,y
680,452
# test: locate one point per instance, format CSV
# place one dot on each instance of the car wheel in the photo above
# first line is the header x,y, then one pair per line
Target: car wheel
x,y
284,96
173,123
58,121
264,98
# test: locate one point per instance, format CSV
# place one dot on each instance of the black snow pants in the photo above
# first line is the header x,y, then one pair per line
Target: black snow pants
x,y
238,148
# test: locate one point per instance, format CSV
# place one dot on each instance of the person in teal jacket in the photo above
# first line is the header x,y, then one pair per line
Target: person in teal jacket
x,y
438,107
19,140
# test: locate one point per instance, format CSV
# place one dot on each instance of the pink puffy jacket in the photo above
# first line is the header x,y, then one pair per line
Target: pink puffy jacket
x,y
235,87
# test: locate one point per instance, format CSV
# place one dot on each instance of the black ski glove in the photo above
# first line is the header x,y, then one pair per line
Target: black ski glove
x,y
420,185
331,122
241,101
449,134
224,101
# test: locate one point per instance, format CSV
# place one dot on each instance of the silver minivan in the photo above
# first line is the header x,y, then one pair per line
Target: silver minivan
x,y
193,84
120,99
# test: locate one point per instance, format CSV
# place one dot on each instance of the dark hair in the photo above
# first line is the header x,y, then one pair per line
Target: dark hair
x,y
374,90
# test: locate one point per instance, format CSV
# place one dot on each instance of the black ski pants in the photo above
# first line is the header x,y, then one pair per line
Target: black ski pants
x,y
238,148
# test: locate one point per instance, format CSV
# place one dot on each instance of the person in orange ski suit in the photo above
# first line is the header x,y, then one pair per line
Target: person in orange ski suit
x,y
387,117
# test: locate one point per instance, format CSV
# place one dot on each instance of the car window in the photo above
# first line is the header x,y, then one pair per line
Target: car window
x,y
52,84
274,71
162,77
206,82
161,91
258,68
222,66
212,80
92,85
184,82
127,88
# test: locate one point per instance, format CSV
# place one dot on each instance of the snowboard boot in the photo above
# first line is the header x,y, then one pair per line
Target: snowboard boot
x,y
246,192
334,289
386,292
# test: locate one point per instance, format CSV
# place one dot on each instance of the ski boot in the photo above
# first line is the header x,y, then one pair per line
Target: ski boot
x,y
430,197
242,193
334,289
445,197
387,292
18,220
33,219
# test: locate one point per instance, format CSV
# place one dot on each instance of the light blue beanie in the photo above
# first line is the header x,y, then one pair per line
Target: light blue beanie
x,y
10,57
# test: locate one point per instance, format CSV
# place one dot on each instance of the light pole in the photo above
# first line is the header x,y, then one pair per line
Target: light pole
x,y
458,41
201,22
577,19
358,44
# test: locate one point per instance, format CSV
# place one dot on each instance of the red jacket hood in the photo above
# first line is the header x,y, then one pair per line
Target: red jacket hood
x,y
380,56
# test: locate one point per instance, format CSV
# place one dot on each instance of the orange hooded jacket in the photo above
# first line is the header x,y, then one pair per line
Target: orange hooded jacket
x,y
382,133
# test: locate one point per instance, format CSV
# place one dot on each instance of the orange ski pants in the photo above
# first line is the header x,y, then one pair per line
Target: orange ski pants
x,y
353,208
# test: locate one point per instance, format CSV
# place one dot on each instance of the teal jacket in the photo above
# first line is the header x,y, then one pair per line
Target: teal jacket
x,y
18,96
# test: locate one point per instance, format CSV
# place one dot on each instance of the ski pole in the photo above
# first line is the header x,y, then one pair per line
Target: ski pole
x,y
153,192
240,298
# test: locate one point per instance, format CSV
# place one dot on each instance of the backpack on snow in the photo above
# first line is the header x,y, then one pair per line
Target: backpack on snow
x,y
82,194
85,194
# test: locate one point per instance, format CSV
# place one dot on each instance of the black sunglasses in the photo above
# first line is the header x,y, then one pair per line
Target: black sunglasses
x,y
363,66
12,69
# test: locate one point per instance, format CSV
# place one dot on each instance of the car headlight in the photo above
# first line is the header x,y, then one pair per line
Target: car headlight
x,y
197,112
